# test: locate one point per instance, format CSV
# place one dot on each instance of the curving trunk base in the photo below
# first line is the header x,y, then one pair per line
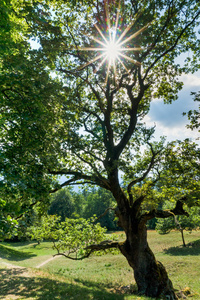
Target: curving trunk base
x,y
150,275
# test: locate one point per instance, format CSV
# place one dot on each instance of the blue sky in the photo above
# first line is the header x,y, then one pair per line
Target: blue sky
x,y
168,118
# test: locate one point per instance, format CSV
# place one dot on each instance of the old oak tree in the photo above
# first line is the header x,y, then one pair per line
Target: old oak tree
x,y
75,106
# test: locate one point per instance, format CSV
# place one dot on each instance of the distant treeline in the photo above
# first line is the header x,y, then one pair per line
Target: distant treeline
x,y
85,204
67,203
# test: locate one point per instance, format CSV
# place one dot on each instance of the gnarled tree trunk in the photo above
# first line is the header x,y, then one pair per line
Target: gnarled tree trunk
x,y
150,275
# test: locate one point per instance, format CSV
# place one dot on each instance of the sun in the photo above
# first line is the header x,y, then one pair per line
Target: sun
x,y
111,46
112,51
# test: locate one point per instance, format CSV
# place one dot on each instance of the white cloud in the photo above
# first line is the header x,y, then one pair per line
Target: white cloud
x,y
191,80
178,131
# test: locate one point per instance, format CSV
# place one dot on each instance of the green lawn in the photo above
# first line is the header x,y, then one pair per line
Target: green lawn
x,y
98,277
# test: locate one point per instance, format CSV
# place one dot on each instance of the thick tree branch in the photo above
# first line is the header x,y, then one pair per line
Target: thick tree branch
x,y
156,213
133,117
107,119
76,176
73,258
136,205
103,214
102,246
120,84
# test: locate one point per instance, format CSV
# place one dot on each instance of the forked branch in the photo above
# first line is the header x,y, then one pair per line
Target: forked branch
x,y
144,175
157,213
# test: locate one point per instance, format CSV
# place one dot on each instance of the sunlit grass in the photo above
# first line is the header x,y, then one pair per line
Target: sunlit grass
x,y
98,277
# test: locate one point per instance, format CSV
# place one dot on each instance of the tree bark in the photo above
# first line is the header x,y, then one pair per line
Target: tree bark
x,y
183,239
150,275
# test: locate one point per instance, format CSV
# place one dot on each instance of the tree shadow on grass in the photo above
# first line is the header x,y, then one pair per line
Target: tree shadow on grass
x,y
129,289
17,284
14,255
192,248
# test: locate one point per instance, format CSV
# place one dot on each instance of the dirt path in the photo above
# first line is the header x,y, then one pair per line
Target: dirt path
x,y
19,267
46,261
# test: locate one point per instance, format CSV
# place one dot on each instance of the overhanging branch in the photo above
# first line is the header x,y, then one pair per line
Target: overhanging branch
x,y
77,176
173,46
105,245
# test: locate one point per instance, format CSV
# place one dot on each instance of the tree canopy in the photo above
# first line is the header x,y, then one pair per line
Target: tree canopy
x,y
59,110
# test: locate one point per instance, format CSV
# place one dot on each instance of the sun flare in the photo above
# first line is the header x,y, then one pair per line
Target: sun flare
x,y
111,46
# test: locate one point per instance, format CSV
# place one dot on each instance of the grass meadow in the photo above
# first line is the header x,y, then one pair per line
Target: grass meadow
x,y
106,277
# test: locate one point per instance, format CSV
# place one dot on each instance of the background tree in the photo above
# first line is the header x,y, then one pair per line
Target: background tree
x,y
85,203
62,204
181,172
100,202
67,113
72,237
181,223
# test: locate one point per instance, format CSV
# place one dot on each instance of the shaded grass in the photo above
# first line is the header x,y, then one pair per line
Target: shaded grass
x,y
14,255
111,271
26,254
192,249
42,287
99,277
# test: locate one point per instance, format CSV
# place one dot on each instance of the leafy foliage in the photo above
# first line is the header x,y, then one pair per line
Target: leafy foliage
x,y
55,113
181,172
194,115
98,202
29,116
8,227
71,237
